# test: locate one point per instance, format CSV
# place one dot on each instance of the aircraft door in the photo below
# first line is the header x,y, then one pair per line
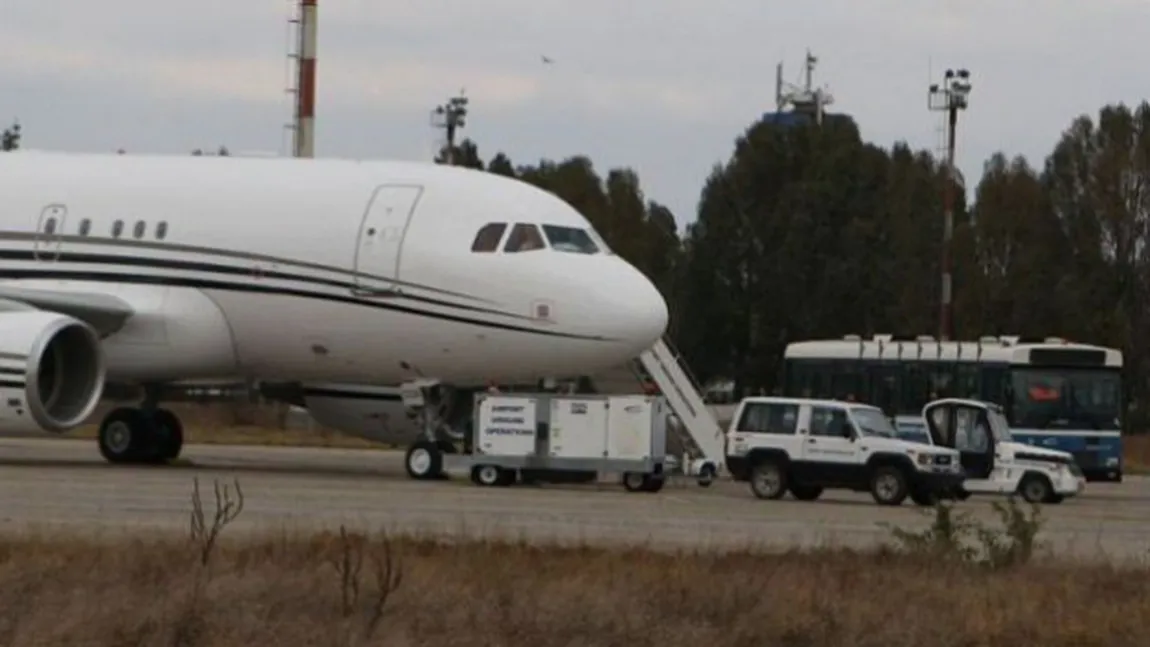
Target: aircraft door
x,y
379,245
50,232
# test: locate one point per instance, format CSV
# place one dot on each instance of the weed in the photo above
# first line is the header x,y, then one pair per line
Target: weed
x,y
956,536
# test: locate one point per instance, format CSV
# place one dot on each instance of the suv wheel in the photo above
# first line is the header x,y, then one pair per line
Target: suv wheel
x,y
768,480
924,497
888,485
806,492
1035,489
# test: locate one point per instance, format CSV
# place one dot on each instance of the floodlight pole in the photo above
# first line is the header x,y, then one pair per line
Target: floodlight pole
x,y
950,97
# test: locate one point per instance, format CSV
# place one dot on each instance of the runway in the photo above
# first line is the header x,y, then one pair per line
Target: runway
x,y
65,483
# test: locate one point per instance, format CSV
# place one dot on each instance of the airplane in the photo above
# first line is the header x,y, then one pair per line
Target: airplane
x,y
144,271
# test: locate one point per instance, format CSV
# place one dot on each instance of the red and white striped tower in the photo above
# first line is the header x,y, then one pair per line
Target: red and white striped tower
x,y
304,140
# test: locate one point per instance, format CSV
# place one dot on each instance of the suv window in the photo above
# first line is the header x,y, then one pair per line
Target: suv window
x,y
769,418
829,422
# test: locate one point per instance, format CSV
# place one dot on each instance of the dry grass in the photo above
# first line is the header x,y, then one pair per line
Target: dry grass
x,y
350,589
1136,452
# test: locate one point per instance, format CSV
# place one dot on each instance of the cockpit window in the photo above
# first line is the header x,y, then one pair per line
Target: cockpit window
x,y
487,240
570,239
524,238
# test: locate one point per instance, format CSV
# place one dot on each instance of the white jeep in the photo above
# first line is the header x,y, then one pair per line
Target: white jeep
x,y
806,445
993,461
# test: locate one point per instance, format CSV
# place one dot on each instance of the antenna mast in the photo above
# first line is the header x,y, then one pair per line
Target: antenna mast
x,y
805,99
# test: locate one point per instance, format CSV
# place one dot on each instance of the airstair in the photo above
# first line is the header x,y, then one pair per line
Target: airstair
x,y
698,430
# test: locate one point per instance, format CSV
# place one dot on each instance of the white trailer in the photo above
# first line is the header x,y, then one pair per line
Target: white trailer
x,y
606,434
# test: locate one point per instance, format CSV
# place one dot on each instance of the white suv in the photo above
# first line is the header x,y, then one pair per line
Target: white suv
x,y
805,445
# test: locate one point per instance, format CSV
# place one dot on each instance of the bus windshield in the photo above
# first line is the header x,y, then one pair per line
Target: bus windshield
x,y
1044,398
872,422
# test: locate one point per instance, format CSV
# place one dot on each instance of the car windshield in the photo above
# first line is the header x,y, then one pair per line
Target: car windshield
x,y
999,426
873,422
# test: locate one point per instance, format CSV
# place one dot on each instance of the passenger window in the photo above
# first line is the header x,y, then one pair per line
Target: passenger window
x,y
769,418
570,239
971,434
138,231
524,238
50,226
487,240
85,226
162,230
829,422
940,416
117,228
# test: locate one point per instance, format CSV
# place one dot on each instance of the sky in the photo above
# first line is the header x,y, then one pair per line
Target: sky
x,y
662,86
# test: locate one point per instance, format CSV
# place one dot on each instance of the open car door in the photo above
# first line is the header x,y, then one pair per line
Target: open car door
x,y
963,426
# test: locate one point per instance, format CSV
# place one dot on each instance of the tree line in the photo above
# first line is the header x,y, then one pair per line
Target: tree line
x,y
807,231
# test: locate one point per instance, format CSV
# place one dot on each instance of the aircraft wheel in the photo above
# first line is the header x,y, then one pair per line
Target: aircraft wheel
x,y
123,436
424,461
168,434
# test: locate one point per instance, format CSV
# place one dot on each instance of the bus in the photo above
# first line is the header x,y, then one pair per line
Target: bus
x,y
1055,393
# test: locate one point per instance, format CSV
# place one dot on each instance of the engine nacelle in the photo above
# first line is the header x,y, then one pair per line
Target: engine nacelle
x,y
51,371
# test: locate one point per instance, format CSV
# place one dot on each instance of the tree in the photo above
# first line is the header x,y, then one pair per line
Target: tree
x,y
10,138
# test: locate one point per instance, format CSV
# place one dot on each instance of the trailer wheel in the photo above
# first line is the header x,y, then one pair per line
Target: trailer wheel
x,y
707,475
654,483
489,475
634,481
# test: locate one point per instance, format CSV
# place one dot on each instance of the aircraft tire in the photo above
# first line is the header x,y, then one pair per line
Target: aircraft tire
x,y
123,436
168,434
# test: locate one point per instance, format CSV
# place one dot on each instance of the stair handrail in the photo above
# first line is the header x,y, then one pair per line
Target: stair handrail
x,y
682,364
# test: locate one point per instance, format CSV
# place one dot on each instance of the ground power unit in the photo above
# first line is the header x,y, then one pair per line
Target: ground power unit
x,y
606,434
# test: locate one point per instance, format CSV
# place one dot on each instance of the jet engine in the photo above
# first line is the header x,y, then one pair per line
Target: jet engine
x,y
51,371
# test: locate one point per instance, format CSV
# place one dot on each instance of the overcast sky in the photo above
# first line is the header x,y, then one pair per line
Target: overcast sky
x,y
663,86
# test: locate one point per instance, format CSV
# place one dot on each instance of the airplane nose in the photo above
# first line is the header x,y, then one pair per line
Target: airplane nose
x,y
642,311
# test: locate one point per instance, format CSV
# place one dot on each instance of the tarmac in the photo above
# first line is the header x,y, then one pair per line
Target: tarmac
x,y
64,484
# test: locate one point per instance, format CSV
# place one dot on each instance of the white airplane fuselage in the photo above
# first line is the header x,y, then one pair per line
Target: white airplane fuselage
x,y
316,271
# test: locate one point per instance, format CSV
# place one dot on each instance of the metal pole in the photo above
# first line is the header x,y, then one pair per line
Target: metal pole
x,y
305,81
945,321
950,96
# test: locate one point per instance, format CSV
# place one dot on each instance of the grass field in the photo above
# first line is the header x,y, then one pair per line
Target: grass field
x,y
349,589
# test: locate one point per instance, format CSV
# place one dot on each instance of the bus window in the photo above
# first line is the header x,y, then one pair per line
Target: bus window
x,y
993,384
850,380
966,381
884,386
915,389
940,376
